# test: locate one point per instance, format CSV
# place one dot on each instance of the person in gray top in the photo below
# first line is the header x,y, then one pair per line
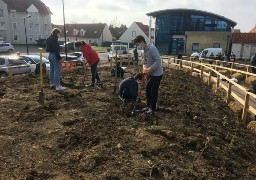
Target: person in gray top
x,y
154,70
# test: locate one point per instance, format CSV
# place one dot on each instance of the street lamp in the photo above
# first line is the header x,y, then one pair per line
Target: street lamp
x,y
65,34
28,16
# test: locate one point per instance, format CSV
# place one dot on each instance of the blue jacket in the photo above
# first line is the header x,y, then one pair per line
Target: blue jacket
x,y
53,46
128,89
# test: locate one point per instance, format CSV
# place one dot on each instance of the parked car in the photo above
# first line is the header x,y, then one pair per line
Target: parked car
x,y
19,66
72,58
34,61
77,54
41,42
70,46
6,47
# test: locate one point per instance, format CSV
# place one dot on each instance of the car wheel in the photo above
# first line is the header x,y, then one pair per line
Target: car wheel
x,y
10,51
3,75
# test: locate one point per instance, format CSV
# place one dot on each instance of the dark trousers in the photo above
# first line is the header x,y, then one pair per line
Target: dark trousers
x,y
94,72
152,86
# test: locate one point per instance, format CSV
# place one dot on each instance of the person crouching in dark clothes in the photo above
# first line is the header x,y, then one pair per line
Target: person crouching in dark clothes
x,y
128,88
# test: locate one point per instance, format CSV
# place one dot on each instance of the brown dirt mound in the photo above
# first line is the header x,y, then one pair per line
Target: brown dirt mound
x,y
88,134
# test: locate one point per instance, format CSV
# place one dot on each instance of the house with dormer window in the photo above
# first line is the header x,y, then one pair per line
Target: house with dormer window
x,y
135,29
18,15
94,34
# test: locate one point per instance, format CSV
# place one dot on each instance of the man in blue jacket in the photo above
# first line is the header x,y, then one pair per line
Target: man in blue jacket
x,y
53,47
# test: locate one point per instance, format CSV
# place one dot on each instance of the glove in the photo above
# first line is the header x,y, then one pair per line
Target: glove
x,y
146,70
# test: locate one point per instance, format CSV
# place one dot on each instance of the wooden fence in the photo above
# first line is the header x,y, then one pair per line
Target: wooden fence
x,y
207,71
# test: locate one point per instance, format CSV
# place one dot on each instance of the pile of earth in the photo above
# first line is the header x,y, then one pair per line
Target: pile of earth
x,y
88,133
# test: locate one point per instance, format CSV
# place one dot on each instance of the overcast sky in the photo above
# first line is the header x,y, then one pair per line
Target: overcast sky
x,y
118,12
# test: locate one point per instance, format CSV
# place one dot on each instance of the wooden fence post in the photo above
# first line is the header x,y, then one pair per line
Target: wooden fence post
x,y
191,67
246,106
201,72
218,82
229,92
232,66
247,70
180,62
210,77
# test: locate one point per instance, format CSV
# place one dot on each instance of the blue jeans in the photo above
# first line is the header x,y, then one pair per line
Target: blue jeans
x,y
54,69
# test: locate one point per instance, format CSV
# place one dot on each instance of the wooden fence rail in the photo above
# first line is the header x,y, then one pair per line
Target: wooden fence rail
x,y
228,87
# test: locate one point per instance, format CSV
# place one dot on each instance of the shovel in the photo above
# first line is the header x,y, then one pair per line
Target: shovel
x,y
85,74
41,93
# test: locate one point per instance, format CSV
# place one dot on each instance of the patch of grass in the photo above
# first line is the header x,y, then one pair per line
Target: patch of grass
x,y
100,48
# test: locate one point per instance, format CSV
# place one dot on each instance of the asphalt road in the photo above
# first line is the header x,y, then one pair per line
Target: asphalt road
x,y
33,49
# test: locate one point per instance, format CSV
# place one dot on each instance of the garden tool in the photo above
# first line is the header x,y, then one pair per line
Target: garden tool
x,y
41,93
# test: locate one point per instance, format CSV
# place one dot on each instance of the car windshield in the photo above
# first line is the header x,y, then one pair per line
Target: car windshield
x,y
37,59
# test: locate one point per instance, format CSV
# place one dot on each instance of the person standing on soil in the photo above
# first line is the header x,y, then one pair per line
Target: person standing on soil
x,y
92,59
154,70
53,47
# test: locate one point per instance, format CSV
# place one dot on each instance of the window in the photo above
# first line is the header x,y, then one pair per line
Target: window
x,y
36,14
216,45
1,13
45,26
14,26
13,13
2,61
30,14
133,33
2,26
36,26
30,25
15,37
39,36
31,38
75,32
195,47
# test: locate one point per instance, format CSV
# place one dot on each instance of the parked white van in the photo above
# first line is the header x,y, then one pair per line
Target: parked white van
x,y
208,51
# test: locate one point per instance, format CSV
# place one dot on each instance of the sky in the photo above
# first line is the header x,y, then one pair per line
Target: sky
x,y
117,12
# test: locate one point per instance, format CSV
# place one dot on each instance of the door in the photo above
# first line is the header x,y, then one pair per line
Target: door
x,y
246,51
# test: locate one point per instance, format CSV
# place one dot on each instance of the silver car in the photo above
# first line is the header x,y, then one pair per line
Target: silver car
x,y
10,66
34,62
6,47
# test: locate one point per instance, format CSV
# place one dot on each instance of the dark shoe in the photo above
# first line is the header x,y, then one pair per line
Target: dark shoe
x,y
98,82
144,109
90,86
149,112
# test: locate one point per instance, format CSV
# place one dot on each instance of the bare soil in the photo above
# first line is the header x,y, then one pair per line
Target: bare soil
x,y
89,134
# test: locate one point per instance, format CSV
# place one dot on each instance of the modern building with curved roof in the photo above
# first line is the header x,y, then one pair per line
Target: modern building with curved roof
x,y
189,30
